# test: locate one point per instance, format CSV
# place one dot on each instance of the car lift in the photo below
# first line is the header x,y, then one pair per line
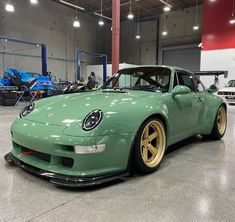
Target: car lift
x,y
43,50
103,57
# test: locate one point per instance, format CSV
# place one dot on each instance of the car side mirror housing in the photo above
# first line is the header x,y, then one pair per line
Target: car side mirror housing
x,y
212,89
180,90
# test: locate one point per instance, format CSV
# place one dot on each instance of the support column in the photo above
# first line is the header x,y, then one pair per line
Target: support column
x,y
115,35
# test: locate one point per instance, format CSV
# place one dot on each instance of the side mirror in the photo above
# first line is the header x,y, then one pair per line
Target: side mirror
x,y
212,89
180,90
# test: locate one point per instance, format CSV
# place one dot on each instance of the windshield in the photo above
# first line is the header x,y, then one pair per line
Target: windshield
x,y
231,83
141,78
33,74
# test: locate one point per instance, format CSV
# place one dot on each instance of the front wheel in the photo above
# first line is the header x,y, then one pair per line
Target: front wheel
x,y
150,146
220,124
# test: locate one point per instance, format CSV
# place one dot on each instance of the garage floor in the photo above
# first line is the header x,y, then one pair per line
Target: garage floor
x,y
196,182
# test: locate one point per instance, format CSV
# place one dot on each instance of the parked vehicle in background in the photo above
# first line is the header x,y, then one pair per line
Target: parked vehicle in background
x,y
16,77
228,93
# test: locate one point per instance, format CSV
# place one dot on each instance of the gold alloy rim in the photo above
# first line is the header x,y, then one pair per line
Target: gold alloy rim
x,y
221,120
153,142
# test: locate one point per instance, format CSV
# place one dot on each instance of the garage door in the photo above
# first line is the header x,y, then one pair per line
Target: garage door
x,y
187,58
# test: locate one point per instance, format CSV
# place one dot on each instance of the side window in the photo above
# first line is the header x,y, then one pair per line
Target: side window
x,y
198,85
186,79
175,81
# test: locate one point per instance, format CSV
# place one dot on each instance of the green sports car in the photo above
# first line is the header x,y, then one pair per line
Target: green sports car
x,y
93,137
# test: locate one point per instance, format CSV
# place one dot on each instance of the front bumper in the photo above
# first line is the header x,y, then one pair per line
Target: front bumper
x,y
63,180
46,148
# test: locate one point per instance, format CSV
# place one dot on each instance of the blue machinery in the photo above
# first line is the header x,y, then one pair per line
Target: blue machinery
x,y
101,56
43,50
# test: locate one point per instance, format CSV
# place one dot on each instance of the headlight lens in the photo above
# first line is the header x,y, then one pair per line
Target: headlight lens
x,y
92,120
26,110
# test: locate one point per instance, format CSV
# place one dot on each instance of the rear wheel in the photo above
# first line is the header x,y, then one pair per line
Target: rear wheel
x,y
220,124
150,146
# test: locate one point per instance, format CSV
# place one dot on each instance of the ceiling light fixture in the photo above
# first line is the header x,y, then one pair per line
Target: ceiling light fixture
x,y
130,15
138,28
200,45
101,22
9,7
76,23
232,20
164,32
72,5
196,26
34,2
167,6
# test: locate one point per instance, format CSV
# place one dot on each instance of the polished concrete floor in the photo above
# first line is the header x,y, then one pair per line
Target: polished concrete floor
x,y
196,182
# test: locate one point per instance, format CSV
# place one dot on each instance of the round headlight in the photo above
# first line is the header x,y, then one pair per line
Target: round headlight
x,y
26,110
92,120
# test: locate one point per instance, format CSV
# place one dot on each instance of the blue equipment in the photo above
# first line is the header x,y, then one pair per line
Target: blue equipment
x,y
15,77
43,50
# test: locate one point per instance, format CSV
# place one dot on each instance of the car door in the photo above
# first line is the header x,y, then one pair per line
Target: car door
x,y
200,93
185,109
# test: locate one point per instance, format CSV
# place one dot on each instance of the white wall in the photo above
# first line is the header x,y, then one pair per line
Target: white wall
x,y
214,60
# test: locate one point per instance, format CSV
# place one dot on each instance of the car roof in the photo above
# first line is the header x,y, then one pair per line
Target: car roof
x,y
156,66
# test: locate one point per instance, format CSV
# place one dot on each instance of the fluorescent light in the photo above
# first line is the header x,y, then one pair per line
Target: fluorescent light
x,y
166,8
164,32
76,23
72,5
138,36
130,16
195,27
103,16
9,7
232,21
34,2
212,0
101,22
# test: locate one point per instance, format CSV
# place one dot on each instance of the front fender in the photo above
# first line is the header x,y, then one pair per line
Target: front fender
x,y
122,118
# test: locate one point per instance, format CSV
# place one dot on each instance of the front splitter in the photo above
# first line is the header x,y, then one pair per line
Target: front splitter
x,y
63,180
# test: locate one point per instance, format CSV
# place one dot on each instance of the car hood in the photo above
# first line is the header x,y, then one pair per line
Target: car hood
x,y
227,89
67,109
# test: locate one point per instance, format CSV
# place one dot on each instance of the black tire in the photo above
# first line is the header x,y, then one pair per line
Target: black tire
x,y
1,100
9,95
216,133
9,102
144,142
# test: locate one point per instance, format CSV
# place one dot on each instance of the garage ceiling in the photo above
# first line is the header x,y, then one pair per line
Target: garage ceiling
x,y
147,8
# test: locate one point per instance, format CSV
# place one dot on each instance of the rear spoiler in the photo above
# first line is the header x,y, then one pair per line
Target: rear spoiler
x,y
212,73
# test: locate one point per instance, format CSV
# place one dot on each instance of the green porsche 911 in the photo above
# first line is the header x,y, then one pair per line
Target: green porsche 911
x,y
93,137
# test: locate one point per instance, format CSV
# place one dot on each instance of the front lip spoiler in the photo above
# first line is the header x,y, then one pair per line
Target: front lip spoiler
x,y
63,180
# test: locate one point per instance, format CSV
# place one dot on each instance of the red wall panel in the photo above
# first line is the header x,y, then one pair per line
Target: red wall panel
x,y
217,32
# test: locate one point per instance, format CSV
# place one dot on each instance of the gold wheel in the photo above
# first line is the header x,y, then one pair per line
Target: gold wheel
x,y
153,143
221,120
